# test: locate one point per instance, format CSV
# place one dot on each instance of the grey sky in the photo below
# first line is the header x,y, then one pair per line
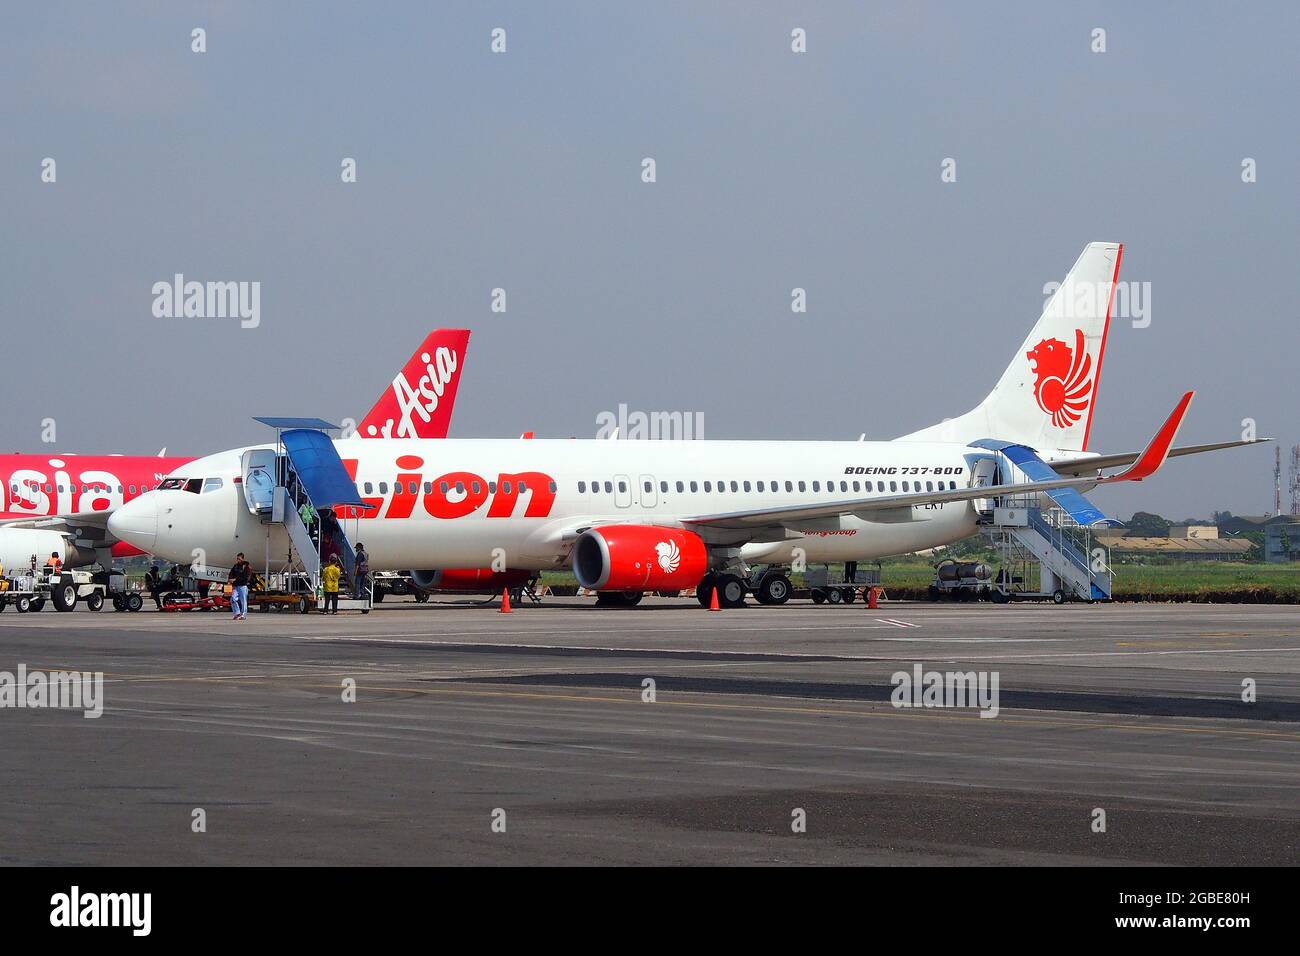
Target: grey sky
x,y
522,171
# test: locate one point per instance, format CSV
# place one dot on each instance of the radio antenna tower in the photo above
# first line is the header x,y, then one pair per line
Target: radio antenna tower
x,y
1295,479
1277,480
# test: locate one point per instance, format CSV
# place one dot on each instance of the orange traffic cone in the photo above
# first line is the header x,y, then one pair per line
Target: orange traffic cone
x,y
871,598
505,600
713,600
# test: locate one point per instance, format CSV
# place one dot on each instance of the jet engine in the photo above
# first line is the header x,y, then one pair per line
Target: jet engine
x,y
17,545
469,579
632,557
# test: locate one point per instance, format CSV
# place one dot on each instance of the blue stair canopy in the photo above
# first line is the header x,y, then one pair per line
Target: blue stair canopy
x,y
1035,469
319,468
281,422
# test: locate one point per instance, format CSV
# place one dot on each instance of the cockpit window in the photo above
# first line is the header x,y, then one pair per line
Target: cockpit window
x,y
211,484
192,485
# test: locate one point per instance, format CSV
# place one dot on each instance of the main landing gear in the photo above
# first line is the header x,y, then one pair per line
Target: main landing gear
x,y
731,590
618,598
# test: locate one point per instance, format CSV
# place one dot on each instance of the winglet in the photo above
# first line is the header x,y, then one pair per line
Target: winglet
x,y
1154,455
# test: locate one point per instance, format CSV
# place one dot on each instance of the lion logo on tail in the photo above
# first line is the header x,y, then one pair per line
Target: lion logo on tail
x,y
1064,384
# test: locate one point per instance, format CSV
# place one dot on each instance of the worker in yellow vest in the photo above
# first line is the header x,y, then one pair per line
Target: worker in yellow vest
x,y
330,582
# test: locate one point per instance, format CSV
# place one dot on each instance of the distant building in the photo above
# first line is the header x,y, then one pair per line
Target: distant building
x,y
1282,540
1239,523
1193,531
1133,547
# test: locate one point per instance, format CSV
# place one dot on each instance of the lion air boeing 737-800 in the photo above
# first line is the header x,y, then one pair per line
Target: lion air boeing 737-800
x,y
61,503
634,516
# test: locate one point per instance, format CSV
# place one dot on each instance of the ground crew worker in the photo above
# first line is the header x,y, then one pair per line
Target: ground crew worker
x,y
330,581
240,575
153,584
54,565
362,572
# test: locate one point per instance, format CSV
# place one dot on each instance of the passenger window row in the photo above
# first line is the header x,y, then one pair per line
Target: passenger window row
x,y
413,487
839,486
49,489
745,487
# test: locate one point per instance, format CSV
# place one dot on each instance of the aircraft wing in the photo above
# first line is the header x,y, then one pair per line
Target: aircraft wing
x,y
1080,466
73,521
84,529
1144,464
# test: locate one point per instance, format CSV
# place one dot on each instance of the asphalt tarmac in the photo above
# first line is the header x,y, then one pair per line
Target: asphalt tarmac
x,y
531,738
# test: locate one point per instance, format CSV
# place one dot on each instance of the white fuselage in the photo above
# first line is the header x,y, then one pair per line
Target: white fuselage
x,y
460,503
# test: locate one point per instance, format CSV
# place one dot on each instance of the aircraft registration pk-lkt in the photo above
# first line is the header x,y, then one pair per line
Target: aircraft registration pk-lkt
x,y
635,516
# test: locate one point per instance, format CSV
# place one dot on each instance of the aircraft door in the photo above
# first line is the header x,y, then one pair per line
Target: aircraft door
x,y
259,469
649,496
983,475
622,491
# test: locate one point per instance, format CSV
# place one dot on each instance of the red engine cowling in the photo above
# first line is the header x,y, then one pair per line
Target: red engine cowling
x,y
634,557
470,579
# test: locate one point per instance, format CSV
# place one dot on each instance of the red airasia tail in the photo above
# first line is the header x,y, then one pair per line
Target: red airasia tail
x,y
418,404
55,503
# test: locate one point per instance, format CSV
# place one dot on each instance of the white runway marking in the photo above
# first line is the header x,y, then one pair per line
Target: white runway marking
x,y
666,652
970,640
398,637
1225,650
895,622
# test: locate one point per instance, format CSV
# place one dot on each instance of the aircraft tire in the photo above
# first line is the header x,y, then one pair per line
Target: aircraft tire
x,y
704,590
731,591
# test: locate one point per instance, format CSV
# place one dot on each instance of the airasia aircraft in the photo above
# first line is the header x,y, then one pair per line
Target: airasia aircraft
x,y
635,516
61,503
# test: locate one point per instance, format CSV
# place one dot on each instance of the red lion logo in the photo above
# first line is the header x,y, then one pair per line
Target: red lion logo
x,y
1063,386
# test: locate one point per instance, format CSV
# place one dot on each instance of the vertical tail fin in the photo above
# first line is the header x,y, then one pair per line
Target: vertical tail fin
x,y
1046,397
419,402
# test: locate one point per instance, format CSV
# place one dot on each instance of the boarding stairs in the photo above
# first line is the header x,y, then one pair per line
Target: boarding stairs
x,y
304,469
1051,533
1065,553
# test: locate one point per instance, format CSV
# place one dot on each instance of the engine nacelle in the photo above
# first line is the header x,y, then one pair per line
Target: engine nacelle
x,y
634,557
17,545
469,579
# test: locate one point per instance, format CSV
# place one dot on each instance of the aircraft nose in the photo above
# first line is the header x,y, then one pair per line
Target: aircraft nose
x,y
136,522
